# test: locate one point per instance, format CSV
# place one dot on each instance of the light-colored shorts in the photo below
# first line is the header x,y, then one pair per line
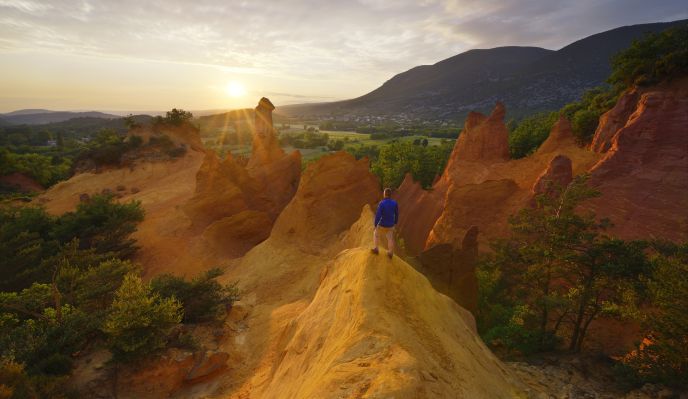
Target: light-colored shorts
x,y
385,230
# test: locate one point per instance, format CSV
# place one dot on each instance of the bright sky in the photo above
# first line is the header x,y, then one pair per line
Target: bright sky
x,y
150,55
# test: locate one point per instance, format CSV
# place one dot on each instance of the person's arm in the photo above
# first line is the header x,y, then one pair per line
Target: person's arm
x,y
378,215
396,213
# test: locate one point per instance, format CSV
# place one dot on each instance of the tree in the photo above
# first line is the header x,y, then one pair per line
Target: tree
x,y
139,320
203,298
655,58
102,224
662,357
604,276
529,133
130,122
559,268
92,288
25,241
398,158
584,124
178,116
40,331
40,167
32,242
336,145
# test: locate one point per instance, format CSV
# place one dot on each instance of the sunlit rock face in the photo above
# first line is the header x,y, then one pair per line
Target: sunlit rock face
x,y
613,120
643,177
329,199
236,205
638,160
484,138
276,172
266,148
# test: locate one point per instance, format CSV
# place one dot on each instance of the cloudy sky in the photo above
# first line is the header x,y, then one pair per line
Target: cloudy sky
x,y
217,54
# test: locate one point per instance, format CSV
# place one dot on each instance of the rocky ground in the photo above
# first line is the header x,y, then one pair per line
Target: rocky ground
x,y
580,377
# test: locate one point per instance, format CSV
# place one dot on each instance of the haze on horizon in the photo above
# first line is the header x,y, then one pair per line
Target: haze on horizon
x,y
155,55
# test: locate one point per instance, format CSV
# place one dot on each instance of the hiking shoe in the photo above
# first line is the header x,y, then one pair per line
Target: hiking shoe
x,y
389,255
374,251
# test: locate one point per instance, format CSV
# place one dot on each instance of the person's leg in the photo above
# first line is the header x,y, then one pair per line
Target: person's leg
x,y
390,241
375,241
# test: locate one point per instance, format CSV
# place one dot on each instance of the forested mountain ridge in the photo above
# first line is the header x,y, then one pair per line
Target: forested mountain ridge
x,y
526,79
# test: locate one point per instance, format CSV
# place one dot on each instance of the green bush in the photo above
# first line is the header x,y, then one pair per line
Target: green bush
x,y
106,148
176,152
16,383
585,114
59,275
92,288
46,170
530,132
178,116
307,139
335,145
36,334
584,124
102,224
396,159
663,357
135,141
25,241
518,339
140,320
655,58
203,298
503,322
30,249
372,152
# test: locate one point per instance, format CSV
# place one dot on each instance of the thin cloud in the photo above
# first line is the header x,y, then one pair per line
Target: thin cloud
x,y
299,96
356,44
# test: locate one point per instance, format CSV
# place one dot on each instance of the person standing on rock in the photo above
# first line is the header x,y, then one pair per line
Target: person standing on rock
x,y
386,218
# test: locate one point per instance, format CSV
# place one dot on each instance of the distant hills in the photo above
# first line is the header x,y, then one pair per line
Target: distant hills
x,y
44,116
29,112
72,128
526,79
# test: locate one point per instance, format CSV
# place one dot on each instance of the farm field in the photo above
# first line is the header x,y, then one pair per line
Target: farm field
x,y
351,140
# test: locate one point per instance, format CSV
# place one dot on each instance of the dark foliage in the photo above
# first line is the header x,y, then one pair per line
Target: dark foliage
x,y
32,241
203,298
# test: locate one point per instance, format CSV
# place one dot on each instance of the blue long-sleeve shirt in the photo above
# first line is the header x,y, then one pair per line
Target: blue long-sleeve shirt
x,y
387,214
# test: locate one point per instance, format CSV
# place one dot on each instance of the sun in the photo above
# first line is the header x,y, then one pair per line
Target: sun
x,y
235,89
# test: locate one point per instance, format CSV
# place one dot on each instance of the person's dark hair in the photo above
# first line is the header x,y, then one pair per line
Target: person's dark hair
x,y
387,193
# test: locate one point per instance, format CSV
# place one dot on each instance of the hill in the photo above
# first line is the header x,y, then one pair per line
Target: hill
x,y
29,111
40,116
526,79
89,124
75,128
